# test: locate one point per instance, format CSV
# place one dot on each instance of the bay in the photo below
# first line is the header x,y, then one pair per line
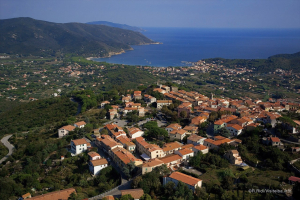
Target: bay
x,y
181,45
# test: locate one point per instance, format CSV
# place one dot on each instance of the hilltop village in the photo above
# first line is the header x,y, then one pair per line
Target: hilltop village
x,y
174,145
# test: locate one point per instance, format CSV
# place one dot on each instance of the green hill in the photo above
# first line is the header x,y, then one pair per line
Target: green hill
x,y
29,36
280,61
124,26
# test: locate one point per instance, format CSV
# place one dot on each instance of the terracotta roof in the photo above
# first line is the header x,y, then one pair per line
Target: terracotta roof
x,y
80,123
68,127
181,131
164,101
26,195
184,178
123,139
124,155
135,193
79,141
235,126
98,162
171,146
294,179
219,122
195,138
109,197
133,130
57,195
174,126
190,128
187,146
219,137
153,162
275,139
185,151
218,142
93,154
200,147
170,158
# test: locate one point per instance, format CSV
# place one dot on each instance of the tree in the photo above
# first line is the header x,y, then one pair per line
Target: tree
x,y
183,114
146,197
224,132
126,197
296,190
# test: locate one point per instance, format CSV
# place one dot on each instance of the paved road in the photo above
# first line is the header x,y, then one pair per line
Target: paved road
x,y
10,147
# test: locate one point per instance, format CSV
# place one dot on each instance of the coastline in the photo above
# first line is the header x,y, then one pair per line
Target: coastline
x,y
120,52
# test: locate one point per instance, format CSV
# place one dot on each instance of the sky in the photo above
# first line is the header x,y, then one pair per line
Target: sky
x,y
161,13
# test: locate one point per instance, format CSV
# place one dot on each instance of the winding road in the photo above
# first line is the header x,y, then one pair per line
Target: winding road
x,y
10,147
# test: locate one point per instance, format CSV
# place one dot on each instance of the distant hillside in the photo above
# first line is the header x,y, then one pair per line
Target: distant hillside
x,y
29,36
282,61
124,26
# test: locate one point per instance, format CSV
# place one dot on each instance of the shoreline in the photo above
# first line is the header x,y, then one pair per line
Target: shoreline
x,y
120,52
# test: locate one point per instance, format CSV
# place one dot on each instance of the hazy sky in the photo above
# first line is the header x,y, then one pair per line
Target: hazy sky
x,y
162,13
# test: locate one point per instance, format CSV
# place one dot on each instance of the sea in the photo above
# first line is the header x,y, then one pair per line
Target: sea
x,y
181,46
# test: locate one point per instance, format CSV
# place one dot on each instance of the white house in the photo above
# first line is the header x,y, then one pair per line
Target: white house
x,y
65,130
96,166
195,139
80,124
190,181
135,132
103,103
94,156
234,129
172,127
78,146
185,153
201,148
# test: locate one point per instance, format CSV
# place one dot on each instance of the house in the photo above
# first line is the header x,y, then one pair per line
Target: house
x,y
65,130
195,139
161,103
78,146
149,165
135,132
126,142
293,180
135,193
107,143
103,103
274,141
177,134
149,98
187,146
94,156
137,95
96,166
185,106
159,90
114,130
57,195
26,196
233,157
234,129
198,120
122,157
185,153
201,148
172,127
113,113
80,124
148,151
214,144
171,160
171,147
223,122
190,181
191,129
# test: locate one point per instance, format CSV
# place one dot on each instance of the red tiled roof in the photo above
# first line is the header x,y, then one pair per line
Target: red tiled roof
x,y
185,151
68,127
93,154
135,193
170,158
200,147
294,179
275,139
80,123
57,195
98,162
79,141
184,178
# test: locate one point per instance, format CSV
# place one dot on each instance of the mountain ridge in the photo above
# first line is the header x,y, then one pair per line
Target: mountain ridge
x,y
28,36
117,25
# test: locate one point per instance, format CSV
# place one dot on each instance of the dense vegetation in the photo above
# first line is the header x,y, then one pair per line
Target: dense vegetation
x,y
36,114
281,61
123,26
29,36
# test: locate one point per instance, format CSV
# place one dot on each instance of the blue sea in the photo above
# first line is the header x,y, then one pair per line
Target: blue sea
x,y
181,45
